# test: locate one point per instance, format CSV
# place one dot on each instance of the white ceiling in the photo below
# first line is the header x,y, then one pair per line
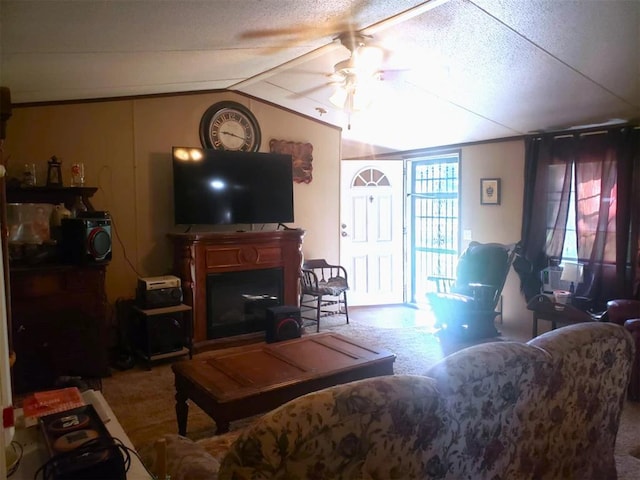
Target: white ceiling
x,y
466,70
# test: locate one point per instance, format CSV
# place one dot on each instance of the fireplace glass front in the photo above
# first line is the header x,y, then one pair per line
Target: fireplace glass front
x,y
237,301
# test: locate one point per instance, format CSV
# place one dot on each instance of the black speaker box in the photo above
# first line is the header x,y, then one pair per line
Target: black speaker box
x,y
283,323
86,240
163,334
162,297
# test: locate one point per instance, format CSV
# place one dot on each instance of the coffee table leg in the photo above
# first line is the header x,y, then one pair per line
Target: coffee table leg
x,y
222,426
182,411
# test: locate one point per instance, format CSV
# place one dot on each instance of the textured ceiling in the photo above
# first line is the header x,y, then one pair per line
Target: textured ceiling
x,y
459,70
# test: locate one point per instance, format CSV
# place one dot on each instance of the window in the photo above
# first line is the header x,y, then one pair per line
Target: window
x,y
581,202
585,226
570,246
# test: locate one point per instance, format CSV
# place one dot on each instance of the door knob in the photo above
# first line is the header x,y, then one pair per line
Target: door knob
x,y
344,234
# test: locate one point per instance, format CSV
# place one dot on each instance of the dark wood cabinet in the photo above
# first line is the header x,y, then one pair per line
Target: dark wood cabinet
x,y
58,324
58,311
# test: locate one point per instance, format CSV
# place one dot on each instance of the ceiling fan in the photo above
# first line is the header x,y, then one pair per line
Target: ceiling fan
x,y
356,78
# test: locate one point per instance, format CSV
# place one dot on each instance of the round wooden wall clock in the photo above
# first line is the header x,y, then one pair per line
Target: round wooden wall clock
x,y
230,126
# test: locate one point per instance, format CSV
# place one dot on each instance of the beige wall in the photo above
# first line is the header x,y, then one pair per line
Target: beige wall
x,y
496,223
126,148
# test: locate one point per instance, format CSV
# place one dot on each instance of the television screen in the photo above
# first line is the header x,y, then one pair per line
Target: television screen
x,y
217,187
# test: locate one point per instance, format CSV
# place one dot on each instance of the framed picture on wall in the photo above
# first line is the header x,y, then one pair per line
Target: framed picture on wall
x,y
490,191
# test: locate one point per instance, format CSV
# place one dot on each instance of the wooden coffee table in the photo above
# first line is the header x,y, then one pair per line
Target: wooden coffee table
x,y
239,382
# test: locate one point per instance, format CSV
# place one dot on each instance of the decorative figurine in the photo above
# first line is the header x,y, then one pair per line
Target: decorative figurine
x,y
54,172
29,175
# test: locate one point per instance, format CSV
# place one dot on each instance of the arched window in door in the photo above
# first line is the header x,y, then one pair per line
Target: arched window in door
x,y
370,177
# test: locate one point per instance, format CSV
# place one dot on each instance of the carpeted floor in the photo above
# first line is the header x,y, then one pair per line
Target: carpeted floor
x,y
143,400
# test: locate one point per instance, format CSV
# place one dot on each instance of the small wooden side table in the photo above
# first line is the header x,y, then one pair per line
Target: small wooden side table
x,y
544,308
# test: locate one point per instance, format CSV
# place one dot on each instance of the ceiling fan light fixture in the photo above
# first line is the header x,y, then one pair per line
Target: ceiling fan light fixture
x,y
367,60
339,97
355,93
364,62
363,95
356,98
360,101
358,76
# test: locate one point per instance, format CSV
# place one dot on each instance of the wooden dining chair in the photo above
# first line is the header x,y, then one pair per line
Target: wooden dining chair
x,y
323,290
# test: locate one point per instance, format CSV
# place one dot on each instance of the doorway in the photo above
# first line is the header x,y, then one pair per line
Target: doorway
x,y
433,221
371,230
389,256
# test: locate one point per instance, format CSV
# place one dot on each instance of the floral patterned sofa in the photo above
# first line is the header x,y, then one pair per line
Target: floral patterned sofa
x,y
547,409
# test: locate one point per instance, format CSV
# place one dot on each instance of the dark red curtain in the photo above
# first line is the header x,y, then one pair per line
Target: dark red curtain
x,y
606,165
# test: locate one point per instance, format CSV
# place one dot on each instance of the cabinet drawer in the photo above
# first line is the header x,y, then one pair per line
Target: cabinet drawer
x,y
35,286
29,285
87,303
85,280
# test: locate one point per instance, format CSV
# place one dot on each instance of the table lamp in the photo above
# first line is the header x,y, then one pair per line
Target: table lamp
x,y
572,272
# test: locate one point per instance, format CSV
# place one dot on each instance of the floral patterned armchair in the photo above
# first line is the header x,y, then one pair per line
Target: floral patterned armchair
x,y
548,409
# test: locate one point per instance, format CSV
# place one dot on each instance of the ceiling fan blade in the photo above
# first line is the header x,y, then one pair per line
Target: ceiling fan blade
x,y
392,74
300,33
320,27
272,32
318,52
345,34
308,91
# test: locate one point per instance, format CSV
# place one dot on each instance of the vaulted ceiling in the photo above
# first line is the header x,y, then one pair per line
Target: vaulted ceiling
x,y
456,71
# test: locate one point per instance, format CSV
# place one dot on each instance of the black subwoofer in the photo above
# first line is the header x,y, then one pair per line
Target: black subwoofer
x,y
162,334
86,240
283,323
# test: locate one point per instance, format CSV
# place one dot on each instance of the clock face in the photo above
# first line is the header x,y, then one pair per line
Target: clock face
x,y
230,126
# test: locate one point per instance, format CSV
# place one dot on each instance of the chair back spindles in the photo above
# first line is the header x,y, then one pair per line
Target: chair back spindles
x,y
323,291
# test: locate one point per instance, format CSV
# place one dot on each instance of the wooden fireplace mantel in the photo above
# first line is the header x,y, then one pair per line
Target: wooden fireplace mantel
x,y
199,254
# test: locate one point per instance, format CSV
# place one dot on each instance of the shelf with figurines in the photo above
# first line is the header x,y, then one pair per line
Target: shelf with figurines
x,y
53,195
30,213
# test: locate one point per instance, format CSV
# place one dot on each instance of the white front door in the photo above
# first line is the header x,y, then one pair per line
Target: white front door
x,y
371,229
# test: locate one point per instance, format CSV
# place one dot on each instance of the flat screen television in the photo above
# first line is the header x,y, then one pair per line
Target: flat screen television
x,y
217,187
